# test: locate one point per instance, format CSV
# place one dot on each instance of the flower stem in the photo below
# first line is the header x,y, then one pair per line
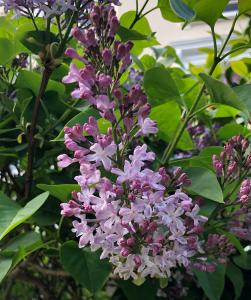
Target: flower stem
x,y
31,142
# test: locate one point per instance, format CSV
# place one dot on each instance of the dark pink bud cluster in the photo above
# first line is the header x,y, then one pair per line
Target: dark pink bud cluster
x,y
220,246
245,189
233,160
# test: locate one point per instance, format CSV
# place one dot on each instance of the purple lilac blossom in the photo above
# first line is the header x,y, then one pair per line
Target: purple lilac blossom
x,y
141,219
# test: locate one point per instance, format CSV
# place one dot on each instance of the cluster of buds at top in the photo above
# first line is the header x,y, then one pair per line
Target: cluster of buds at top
x,y
234,160
105,60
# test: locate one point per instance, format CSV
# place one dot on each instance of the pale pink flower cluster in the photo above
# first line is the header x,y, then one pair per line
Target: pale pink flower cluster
x,y
139,225
140,218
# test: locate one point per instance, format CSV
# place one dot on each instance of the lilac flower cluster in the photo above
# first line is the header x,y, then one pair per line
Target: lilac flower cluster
x,y
140,219
233,166
240,223
234,162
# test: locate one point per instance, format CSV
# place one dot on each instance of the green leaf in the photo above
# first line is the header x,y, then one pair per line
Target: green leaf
x,y
126,34
221,93
182,10
147,290
32,80
9,209
240,68
22,214
203,159
35,41
244,92
167,12
147,61
168,117
142,27
5,264
85,266
7,50
204,183
231,129
236,277
224,111
243,261
244,6
60,191
212,283
80,118
26,240
160,86
208,11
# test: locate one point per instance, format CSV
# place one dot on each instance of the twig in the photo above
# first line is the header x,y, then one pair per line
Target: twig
x,y
56,273
31,142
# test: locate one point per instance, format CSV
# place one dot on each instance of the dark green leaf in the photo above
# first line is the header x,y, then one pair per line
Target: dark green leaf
x,y
5,264
231,129
222,93
147,290
160,86
168,117
26,240
244,92
236,277
212,283
60,191
35,41
142,27
126,34
32,80
9,209
243,261
21,215
204,183
85,266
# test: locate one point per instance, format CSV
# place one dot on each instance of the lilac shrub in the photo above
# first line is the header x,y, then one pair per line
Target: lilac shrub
x,y
140,218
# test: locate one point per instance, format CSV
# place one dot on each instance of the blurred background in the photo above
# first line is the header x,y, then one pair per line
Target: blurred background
x,y
193,36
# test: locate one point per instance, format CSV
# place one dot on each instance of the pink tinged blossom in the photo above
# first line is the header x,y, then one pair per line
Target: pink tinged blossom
x,y
83,231
73,75
140,154
70,209
64,160
114,26
104,81
194,215
147,126
218,166
91,127
72,53
83,92
102,154
107,57
130,172
103,103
